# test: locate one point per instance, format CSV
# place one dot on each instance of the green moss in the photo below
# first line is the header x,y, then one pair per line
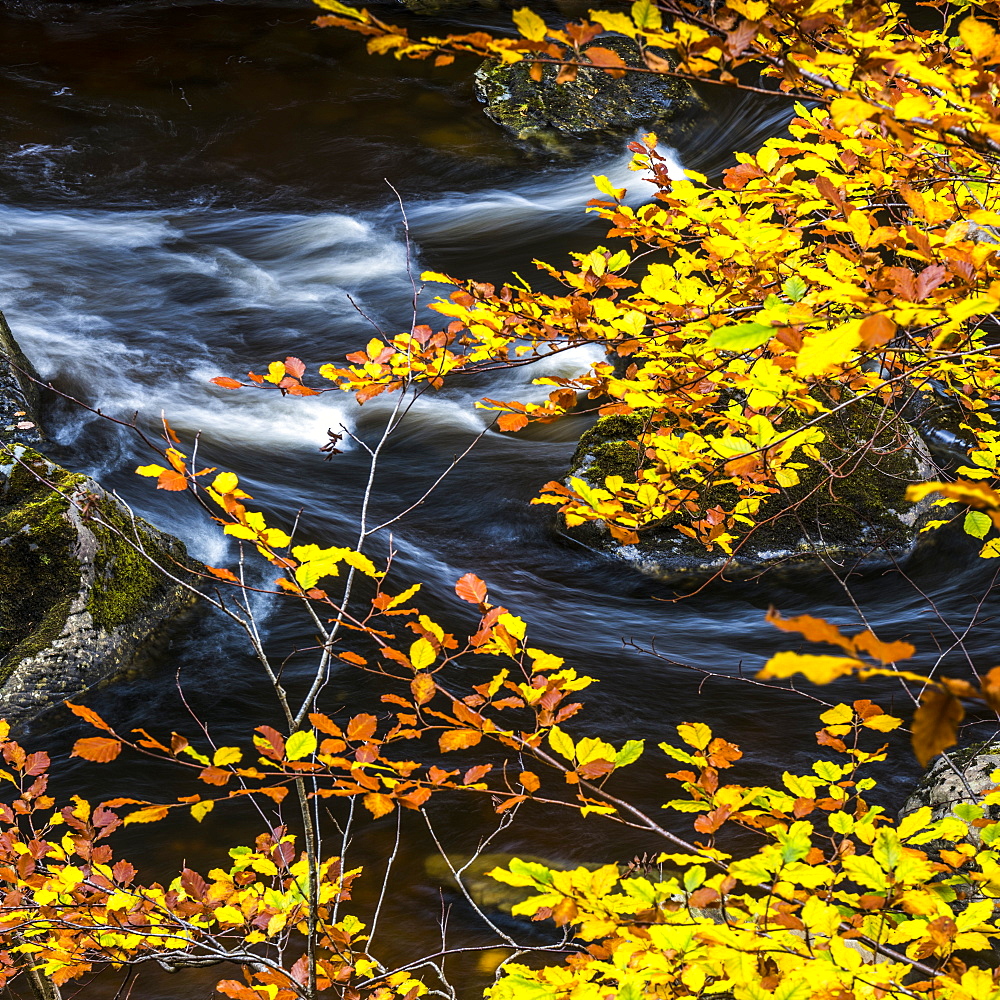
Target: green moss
x,y
125,582
39,571
610,448
591,104
861,507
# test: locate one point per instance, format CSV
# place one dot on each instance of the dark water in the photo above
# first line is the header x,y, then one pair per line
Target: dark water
x,y
195,189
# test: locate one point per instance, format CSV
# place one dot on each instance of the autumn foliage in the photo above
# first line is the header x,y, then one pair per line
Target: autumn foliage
x,y
852,262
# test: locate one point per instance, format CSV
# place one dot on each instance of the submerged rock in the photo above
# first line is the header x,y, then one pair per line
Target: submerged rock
x,y
592,104
858,520
78,595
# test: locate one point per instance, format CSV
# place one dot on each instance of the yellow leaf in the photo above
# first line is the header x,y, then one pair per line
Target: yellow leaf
x,y
817,669
561,743
826,350
979,37
201,809
225,482
849,111
153,471
226,755
529,24
422,654
696,734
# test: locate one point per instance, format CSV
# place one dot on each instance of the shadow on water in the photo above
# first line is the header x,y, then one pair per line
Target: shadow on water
x,y
192,189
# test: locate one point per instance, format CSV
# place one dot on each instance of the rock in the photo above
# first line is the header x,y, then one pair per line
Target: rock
x,y
594,103
77,600
957,777
18,394
862,520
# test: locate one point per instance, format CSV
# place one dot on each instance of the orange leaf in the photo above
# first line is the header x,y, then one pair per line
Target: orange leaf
x,y
222,574
470,588
227,383
361,727
458,739
172,481
352,658
512,421
325,724
89,715
935,723
813,629
475,773
148,815
529,780
509,803
884,652
877,330
378,804
97,748
422,687
215,776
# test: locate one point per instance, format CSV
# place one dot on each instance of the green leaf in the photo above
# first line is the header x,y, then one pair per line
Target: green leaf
x,y
300,744
694,877
976,524
741,337
629,753
646,15
794,288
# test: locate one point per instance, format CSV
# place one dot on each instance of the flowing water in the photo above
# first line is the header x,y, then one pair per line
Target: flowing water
x,y
200,188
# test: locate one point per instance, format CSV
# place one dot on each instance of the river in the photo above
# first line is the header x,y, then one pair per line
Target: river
x,y
193,189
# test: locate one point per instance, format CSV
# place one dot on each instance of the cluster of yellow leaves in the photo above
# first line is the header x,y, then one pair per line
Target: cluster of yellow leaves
x,y
845,904
851,263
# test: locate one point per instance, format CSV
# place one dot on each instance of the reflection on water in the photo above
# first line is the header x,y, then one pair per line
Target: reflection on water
x,y
198,188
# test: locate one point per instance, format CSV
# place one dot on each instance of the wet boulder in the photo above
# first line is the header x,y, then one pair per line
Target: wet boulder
x,y
79,594
860,518
595,103
957,778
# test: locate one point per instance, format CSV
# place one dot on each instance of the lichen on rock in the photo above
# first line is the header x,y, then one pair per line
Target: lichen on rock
x,y
592,104
858,517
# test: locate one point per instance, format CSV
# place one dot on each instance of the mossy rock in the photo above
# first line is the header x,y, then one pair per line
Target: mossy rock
x,y
77,599
594,104
860,520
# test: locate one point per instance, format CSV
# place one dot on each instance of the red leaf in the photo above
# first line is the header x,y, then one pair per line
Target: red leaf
x,y
295,367
227,383
470,588
36,763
